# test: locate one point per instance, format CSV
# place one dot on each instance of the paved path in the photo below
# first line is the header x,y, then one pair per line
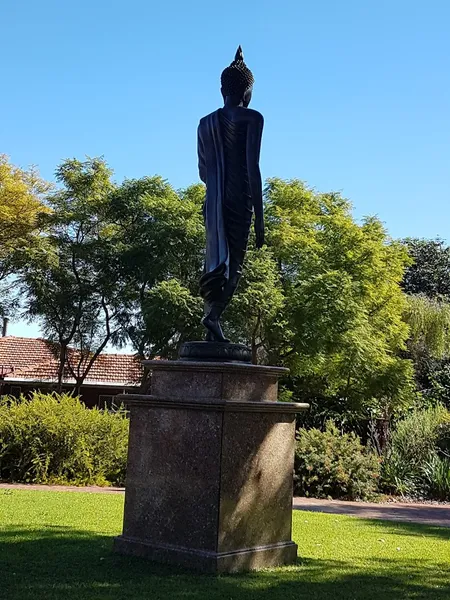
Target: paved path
x,y
62,488
426,514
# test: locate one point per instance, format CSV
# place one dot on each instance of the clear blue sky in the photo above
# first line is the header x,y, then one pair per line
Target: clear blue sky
x,y
355,93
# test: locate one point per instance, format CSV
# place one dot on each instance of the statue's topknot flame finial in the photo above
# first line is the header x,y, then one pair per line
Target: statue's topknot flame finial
x,y
239,56
237,78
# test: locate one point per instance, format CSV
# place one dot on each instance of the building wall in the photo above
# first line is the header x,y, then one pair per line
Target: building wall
x,y
91,395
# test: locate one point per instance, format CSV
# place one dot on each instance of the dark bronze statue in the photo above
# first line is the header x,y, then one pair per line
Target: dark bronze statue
x,y
229,142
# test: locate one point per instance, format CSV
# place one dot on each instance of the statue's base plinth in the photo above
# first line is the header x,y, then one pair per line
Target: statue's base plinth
x,y
210,465
215,352
252,559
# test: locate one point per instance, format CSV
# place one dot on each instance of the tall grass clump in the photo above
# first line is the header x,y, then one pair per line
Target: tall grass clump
x,y
417,461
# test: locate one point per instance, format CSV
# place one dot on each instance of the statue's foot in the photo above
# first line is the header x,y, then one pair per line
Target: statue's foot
x,y
215,333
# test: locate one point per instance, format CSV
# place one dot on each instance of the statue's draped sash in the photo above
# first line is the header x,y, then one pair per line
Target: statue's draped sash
x,y
212,165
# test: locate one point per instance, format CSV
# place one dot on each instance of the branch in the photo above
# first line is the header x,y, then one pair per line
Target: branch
x,y
80,297
72,372
82,353
100,349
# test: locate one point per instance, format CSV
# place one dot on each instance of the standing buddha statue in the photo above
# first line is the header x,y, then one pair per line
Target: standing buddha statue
x,y
229,142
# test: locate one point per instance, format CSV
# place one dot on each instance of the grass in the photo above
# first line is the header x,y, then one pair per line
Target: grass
x,y
57,545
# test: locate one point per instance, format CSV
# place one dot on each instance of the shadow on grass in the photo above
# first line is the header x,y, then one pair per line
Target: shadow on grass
x,y
63,563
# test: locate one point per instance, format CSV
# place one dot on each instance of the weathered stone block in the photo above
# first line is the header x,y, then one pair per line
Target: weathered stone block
x,y
210,465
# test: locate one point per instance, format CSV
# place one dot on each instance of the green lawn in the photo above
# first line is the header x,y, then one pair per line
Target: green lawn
x,y
58,545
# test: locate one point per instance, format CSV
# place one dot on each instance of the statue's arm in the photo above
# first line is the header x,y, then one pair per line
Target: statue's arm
x,y
201,157
254,136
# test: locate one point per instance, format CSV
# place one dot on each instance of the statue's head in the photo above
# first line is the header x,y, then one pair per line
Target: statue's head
x,y
237,81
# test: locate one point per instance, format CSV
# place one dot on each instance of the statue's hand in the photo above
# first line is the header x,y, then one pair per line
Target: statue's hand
x,y
259,231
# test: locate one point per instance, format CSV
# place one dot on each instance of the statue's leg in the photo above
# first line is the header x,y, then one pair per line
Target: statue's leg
x,y
215,308
235,272
211,321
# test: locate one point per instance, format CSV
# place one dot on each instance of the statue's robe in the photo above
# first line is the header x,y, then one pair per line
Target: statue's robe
x,y
228,206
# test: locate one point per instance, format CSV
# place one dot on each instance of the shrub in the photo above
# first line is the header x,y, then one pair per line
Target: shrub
x,y
412,452
331,464
56,439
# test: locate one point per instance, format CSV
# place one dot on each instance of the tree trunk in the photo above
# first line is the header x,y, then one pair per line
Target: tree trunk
x,y
254,352
62,362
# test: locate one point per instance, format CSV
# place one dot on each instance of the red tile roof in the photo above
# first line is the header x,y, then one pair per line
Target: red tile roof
x,y
33,359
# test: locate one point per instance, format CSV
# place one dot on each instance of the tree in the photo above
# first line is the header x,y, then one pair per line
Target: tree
x,y
344,305
429,273
429,326
323,297
427,282
21,206
256,312
72,287
170,314
429,345
161,239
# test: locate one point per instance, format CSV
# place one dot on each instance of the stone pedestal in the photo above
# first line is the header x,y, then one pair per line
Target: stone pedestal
x,y
210,465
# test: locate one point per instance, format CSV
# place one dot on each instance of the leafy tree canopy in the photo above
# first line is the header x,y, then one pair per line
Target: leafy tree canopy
x,y
21,205
429,271
71,286
344,304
